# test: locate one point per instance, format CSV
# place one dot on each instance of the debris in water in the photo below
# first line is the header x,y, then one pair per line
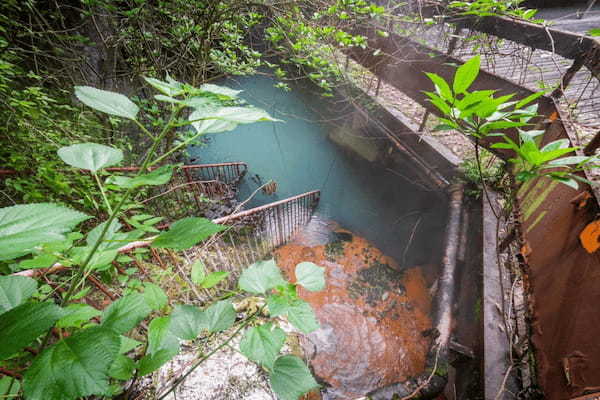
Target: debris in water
x,y
372,314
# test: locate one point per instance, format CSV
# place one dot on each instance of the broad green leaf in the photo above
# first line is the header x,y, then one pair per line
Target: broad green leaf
x,y
220,90
187,322
40,261
260,277
301,315
124,314
160,336
128,344
150,363
278,304
107,102
110,240
198,272
77,366
122,368
155,297
159,176
291,378
90,156
262,344
310,276
186,233
173,88
219,316
204,122
213,279
199,102
23,324
76,315
14,290
228,117
299,312
23,227
466,74
441,86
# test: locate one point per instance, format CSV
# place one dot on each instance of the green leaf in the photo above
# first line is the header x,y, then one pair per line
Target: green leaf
x,y
301,315
220,90
594,32
155,297
122,368
214,278
124,314
159,176
203,122
198,272
570,160
39,261
186,233
150,363
262,344
172,88
77,315
554,154
291,378
23,227
107,102
529,99
299,312
226,118
10,387
23,324
441,86
466,74
219,316
128,344
90,156
311,276
187,322
555,145
160,336
260,277
77,366
14,290
438,102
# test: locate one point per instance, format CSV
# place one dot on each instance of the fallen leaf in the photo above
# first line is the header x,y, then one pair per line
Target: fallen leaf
x,y
590,237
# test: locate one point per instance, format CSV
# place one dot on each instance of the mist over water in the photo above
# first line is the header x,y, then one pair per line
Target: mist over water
x,y
363,197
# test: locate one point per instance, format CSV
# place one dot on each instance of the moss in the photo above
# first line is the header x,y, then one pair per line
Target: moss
x,y
373,283
335,248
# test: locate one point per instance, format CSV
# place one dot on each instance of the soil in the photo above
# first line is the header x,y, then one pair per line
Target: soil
x,y
372,315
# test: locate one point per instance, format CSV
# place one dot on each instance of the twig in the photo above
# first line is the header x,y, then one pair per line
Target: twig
x,y
422,385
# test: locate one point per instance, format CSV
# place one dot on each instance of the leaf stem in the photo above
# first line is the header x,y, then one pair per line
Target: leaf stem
x,y
101,187
210,354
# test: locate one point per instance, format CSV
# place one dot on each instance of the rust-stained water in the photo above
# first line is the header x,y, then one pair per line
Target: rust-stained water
x,y
373,316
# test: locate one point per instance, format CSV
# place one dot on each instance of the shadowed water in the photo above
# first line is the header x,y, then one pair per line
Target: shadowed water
x,y
370,199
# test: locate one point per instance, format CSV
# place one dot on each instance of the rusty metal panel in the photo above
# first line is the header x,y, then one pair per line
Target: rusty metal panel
x,y
564,279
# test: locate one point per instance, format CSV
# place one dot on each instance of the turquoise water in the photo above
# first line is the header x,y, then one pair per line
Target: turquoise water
x,y
363,197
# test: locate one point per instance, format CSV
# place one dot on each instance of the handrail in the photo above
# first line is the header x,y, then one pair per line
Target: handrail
x,y
277,225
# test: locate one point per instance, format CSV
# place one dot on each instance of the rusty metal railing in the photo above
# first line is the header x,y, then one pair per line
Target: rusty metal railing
x,y
190,188
252,235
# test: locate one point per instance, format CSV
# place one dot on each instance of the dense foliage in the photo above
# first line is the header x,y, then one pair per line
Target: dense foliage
x,y
67,349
